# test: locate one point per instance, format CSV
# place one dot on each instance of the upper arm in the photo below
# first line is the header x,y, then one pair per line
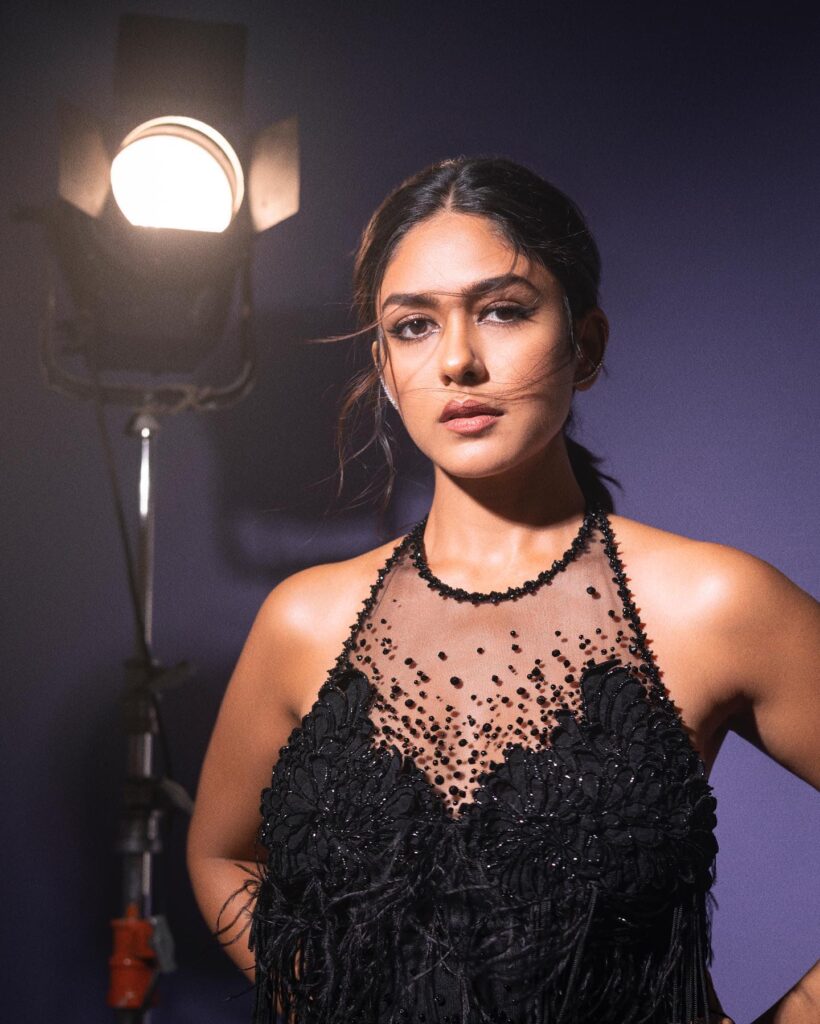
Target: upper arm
x,y
255,720
769,632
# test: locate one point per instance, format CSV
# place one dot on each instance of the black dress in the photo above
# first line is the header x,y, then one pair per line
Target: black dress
x,y
492,812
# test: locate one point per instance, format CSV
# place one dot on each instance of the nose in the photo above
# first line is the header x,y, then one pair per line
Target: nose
x,y
459,352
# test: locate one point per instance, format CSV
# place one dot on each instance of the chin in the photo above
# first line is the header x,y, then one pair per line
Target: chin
x,y
482,466
488,456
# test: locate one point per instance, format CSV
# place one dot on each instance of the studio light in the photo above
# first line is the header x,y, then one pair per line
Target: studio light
x,y
158,203
176,172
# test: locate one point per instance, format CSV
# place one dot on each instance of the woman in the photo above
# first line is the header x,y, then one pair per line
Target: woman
x,y
496,807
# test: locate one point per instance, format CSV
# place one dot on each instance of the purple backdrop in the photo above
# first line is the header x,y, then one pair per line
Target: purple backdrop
x,y
690,139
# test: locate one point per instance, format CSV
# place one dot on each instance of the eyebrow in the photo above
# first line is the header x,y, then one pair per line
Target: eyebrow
x,y
472,291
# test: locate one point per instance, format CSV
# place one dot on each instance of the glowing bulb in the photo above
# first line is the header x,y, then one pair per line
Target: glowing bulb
x,y
174,172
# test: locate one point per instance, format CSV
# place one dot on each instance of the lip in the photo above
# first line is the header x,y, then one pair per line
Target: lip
x,y
468,410
471,424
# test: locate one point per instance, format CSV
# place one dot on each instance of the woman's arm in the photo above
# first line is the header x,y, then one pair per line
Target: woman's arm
x,y
775,632
768,631
800,1005
255,719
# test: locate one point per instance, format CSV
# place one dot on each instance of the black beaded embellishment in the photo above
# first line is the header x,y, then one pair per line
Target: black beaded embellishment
x,y
412,544
416,541
343,661
648,666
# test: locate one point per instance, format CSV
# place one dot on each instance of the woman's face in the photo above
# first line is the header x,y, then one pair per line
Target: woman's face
x,y
463,321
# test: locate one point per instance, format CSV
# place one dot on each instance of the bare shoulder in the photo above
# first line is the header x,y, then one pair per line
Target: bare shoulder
x,y
719,614
739,638
326,592
307,617
702,578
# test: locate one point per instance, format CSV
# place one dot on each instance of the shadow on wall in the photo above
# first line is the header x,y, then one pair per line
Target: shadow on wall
x,y
275,462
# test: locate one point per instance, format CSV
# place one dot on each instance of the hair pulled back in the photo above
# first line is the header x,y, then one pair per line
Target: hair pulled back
x,y
538,220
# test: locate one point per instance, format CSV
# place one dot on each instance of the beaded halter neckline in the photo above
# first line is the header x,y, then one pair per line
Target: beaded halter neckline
x,y
415,540
411,544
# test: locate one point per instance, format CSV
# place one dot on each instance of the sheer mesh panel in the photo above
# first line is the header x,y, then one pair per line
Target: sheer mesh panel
x,y
457,682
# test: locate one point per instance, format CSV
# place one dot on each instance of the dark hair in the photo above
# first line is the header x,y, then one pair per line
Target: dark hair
x,y
536,218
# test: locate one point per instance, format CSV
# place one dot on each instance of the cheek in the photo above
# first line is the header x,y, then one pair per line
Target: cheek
x,y
532,370
411,374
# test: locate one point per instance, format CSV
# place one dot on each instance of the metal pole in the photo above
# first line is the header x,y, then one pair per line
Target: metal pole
x,y
143,944
139,839
137,881
147,427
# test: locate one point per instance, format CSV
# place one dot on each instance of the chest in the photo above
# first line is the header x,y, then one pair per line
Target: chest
x,y
461,679
617,799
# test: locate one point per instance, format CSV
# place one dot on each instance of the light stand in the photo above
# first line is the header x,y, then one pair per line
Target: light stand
x,y
151,296
143,945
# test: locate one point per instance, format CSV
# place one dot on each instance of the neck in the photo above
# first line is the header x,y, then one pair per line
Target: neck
x,y
507,524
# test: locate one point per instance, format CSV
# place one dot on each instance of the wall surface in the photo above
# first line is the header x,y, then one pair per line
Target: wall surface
x,y
688,136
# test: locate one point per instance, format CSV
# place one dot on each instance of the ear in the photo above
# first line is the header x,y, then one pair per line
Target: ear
x,y
591,337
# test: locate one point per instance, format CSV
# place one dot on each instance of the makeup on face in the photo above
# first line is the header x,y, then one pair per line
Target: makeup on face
x,y
503,300
472,344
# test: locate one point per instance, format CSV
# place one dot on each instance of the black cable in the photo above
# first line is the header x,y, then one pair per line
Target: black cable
x,y
119,511
162,734
116,493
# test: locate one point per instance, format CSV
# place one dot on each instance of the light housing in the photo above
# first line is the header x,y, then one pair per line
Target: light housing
x,y
154,277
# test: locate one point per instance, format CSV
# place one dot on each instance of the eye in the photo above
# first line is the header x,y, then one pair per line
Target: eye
x,y
507,313
414,328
